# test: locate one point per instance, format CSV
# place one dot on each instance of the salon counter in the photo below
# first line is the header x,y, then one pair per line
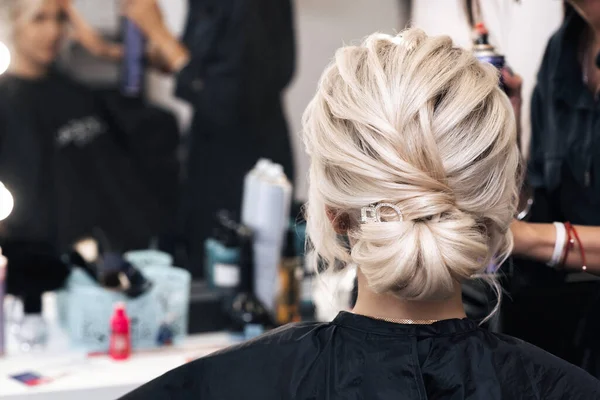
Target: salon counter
x,y
78,375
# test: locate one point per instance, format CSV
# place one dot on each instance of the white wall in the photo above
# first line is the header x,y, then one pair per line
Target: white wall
x,y
322,26
520,31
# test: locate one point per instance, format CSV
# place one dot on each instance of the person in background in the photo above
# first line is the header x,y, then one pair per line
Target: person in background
x,y
234,62
552,306
68,166
422,212
83,33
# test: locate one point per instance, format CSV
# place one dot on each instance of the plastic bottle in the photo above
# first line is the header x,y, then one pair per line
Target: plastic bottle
x,y
132,68
223,257
120,338
222,250
33,331
307,307
290,275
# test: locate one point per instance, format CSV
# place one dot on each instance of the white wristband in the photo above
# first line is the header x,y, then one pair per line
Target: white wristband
x,y
559,245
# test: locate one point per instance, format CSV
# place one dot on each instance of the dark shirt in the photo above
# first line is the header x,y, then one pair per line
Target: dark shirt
x,y
564,166
356,357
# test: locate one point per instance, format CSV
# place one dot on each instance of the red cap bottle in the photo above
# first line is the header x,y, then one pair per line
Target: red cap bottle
x,y
120,339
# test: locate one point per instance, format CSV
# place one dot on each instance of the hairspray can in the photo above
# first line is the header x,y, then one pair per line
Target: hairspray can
x,y
270,226
132,68
251,188
484,51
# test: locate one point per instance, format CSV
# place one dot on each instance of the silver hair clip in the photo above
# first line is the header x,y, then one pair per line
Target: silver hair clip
x,y
372,213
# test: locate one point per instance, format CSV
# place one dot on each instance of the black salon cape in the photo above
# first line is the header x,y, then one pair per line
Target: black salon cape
x,y
356,357
72,169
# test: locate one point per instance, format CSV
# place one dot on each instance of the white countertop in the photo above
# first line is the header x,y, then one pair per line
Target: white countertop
x,y
78,375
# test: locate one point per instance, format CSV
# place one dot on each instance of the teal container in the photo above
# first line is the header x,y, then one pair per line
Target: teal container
x,y
307,307
146,258
209,251
222,264
85,309
300,229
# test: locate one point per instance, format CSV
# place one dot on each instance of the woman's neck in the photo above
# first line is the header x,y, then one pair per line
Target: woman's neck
x,y
380,306
24,68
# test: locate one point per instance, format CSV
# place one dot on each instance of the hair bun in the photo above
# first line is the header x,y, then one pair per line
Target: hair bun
x,y
421,259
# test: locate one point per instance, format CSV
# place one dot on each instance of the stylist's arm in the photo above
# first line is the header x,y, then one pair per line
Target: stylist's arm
x,y
87,36
168,51
538,242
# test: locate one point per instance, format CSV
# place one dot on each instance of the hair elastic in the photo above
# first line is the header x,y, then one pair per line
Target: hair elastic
x,y
559,244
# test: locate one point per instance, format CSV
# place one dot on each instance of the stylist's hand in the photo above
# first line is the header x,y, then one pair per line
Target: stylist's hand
x,y
513,84
147,15
166,52
87,36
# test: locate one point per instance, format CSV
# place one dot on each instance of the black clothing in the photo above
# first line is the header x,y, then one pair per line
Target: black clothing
x,y
70,169
356,357
564,165
564,171
242,57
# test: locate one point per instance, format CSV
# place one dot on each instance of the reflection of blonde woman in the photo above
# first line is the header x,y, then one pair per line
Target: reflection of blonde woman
x,y
65,157
414,158
34,29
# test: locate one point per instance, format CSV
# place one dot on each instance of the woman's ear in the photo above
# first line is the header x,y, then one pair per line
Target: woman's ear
x,y
339,221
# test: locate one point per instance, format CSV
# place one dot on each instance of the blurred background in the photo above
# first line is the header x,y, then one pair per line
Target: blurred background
x,y
153,174
519,30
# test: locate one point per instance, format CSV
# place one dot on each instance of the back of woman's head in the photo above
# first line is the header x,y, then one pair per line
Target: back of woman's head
x,y
414,122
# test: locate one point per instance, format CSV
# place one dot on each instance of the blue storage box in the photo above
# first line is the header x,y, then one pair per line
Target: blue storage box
x,y
85,309
145,258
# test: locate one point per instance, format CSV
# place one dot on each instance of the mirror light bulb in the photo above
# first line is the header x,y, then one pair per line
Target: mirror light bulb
x,y
6,202
4,58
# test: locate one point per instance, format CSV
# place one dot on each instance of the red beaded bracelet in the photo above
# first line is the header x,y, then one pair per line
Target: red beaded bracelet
x,y
572,232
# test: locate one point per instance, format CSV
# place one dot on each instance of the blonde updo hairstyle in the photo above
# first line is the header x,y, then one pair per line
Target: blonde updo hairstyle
x,y
412,121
